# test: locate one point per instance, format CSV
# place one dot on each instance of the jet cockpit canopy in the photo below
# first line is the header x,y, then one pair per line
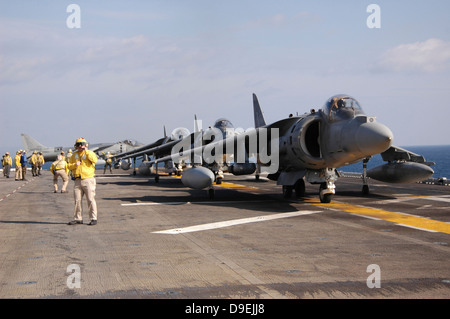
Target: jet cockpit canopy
x,y
132,142
340,107
225,127
223,124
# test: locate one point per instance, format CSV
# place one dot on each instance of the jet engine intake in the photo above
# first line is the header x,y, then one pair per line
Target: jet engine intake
x,y
302,145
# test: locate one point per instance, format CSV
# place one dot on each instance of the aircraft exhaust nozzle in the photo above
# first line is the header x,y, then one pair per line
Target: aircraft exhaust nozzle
x,y
373,138
406,172
198,177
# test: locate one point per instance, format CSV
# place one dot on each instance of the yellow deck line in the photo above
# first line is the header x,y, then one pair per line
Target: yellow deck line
x,y
232,185
229,185
398,218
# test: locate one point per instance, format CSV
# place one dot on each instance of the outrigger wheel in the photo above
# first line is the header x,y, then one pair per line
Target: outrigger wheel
x,y
211,193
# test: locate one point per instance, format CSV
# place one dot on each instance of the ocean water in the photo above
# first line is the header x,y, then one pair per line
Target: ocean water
x,y
439,154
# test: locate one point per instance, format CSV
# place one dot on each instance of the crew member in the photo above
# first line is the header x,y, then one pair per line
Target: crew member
x,y
108,162
18,165
82,165
59,169
23,162
7,163
69,155
34,163
41,162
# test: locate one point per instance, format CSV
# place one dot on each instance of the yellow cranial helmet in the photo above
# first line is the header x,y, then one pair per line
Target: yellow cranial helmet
x,y
80,142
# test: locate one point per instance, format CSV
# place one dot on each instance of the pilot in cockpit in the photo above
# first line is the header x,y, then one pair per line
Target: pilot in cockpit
x,y
223,124
342,106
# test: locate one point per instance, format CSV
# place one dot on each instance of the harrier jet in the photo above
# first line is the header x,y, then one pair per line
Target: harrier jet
x,y
50,153
295,150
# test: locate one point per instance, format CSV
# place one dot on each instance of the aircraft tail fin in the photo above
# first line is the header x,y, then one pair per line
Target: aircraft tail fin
x,y
257,112
196,126
30,144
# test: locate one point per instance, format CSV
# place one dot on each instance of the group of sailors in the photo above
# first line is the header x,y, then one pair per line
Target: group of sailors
x,y
58,168
79,165
37,161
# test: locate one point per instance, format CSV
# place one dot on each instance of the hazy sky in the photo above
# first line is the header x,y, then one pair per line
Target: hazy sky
x,y
135,66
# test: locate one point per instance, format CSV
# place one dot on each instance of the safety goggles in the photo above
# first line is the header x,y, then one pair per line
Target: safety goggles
x,y
80,144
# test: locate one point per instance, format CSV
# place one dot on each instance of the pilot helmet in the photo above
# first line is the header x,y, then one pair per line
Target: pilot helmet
x,y
340,103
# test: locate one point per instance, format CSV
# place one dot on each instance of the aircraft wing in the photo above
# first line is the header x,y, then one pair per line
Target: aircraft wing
x,y
244,144
99,147
395,153
247,142
160,147
146,149
402,166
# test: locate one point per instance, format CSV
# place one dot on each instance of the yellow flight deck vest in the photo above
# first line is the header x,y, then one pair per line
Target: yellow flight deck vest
x,y
17,161
34,159
59,164
7,160
41,159
87,167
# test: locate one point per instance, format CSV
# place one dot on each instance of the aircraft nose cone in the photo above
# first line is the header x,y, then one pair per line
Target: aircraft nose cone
x,y
373,138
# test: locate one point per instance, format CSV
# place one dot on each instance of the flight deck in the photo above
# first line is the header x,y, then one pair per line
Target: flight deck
x,y
166,241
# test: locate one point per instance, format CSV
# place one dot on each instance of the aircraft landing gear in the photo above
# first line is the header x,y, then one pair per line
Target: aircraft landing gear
x,y
257,172
365,188
299,188
325,193
179,170
287,191
327,189
211,193
219,176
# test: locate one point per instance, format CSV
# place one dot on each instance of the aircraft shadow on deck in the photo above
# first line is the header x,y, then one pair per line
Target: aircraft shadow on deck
x,y
223,198
358,193
163,182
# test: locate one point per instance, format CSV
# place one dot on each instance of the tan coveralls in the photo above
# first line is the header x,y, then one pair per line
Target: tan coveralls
x,y
59,169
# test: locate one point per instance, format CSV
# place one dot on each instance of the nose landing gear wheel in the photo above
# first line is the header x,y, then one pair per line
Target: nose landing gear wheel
x,y
323,195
